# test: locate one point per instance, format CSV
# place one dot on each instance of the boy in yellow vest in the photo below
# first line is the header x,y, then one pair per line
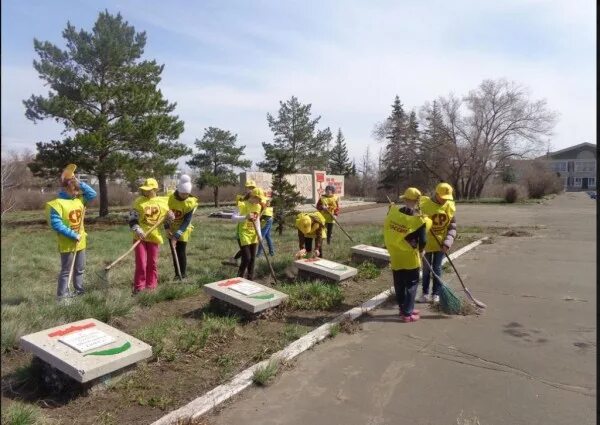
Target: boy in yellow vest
x,y
65,216
182,205
329,206
310,226
239,200
441,210
405,236
247,216
148,209
266,221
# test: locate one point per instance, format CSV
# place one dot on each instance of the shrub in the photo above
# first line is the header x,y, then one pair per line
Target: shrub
x,y
540,181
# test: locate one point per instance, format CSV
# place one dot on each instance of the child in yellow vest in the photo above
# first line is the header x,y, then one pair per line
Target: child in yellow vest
x,y
404,233
329,205
311,226
182,205
65,216
266,221
148,209
239,200
247,215
441,210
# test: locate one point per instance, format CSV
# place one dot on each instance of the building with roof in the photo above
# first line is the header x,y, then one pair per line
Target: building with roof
x,y
575,165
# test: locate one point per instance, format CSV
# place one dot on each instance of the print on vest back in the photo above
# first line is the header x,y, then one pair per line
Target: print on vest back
x,y
75,219
400,228
151,213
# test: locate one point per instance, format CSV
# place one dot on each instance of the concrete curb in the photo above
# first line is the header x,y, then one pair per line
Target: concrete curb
x,y
243,380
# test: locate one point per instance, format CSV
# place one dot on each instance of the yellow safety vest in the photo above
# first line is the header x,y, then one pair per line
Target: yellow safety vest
x,y
71,212
440,216
247,229
180,209
151,211
315,226
330,203
396,227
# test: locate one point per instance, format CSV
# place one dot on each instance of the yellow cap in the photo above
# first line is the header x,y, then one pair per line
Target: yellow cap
x,y
303,223
250,183
149,184
69,172
444,191
411,194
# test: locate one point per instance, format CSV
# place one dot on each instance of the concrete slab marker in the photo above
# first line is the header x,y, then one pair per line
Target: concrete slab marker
x,y
327,269
245,294
205,403
87,349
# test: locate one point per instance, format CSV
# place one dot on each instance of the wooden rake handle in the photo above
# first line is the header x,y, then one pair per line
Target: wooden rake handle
x,y
132,247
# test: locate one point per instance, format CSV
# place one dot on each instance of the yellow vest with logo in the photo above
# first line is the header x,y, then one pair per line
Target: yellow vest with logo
x,y
180,209
71,212
150,212
396,227
315,226
440,216
330,203
247,229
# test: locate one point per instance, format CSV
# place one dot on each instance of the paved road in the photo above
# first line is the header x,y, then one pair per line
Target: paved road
x,y
530,359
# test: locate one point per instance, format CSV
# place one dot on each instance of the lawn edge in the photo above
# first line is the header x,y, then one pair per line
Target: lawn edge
x,y
243,380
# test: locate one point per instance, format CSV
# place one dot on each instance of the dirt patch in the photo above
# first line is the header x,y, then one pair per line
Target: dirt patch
x,y
516,233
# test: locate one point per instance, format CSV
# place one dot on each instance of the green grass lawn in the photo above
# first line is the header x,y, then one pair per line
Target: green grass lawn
x,y
30,264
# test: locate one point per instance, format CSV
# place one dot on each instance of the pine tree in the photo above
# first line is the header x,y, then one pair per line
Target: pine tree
x,y
296,133
339,164
284,196
396,155
108,101
216,160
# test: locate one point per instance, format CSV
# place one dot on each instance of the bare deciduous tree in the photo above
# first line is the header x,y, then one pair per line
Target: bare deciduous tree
x,y
480,132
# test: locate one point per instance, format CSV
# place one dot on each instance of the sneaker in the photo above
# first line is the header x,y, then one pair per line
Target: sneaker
x,y
436,299
424,298
411,318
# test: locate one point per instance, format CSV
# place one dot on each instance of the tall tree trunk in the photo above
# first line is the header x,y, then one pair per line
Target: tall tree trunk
x,y
103,195
216,193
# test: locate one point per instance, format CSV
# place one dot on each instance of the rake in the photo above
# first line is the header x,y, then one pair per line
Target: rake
x,y
107,269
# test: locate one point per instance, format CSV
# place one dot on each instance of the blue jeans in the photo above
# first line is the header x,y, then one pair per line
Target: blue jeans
x,y
435,259
266,235
405,287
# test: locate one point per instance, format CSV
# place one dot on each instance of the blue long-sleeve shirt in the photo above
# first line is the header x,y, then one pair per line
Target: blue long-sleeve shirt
x,y
56,221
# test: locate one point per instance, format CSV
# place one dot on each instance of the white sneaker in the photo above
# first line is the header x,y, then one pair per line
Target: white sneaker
x,y
436,299
424,298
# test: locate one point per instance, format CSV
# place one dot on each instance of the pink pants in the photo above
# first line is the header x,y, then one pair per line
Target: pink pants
x,y
146,266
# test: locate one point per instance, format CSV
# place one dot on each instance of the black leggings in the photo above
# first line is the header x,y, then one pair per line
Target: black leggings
x,y
329,227
308,242
181,256
248,257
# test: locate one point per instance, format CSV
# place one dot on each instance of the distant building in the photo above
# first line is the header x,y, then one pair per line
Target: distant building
x,y
576,166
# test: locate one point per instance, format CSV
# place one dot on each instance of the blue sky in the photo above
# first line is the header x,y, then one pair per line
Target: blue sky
x,y
229,63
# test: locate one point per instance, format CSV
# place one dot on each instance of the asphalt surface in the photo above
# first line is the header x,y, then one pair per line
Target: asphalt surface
x,y
530,358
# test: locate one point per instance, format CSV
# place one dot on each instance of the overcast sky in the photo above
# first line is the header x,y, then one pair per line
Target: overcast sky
x,y
229,63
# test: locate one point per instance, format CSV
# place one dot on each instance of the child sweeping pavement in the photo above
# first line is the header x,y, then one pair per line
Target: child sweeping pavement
x,y
66,216
441,210
405,236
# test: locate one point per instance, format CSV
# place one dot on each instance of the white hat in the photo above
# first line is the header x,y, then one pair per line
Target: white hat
x,y
185,184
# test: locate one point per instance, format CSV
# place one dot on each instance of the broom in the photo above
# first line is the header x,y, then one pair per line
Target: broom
x,y
449,302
